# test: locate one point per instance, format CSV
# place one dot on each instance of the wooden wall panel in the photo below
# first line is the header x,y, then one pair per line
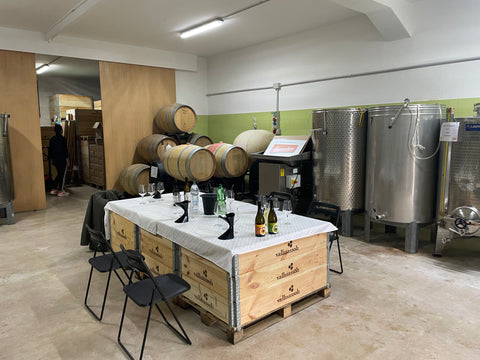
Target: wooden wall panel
x,y
131,96
18,97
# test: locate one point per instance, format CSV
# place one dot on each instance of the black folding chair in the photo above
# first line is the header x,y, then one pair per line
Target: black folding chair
x,y
107,262
149,292
331,213
282,196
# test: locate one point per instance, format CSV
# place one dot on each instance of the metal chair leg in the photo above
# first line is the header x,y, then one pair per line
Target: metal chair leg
x,y
120,330
183,336
146,331
339,255
99,318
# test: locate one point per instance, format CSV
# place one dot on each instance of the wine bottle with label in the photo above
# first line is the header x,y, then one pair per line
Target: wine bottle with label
x,y
260,229
272,220
186,190
221,201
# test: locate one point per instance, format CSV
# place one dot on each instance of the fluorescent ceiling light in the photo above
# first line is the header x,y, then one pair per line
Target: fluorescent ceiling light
x,y
201,28
42,68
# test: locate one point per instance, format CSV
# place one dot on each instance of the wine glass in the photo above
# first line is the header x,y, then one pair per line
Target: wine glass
x,y
160,188
141,192
215,211
218,211
151,190
276,204
230,197
287,209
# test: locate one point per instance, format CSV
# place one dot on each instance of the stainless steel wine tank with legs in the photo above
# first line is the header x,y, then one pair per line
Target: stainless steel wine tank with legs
x,y
401,170
339,137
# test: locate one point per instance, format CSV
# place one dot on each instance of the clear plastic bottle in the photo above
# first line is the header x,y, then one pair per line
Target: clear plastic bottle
x,y
195,194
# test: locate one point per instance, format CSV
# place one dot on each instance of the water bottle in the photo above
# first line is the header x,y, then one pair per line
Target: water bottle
x,y
195,194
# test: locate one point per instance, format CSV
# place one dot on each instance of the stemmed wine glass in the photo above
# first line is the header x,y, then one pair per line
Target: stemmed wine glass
x,y
276,204
218,223
141,192
287,209
151,190
160,188
230,197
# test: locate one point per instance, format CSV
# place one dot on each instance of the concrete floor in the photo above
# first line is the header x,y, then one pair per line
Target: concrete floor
x,y
387,304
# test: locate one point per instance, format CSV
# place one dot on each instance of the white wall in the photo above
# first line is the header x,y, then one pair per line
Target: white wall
x,y
191,87
443,30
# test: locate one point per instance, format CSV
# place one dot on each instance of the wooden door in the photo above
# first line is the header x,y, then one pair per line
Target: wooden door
x,y
19,98
131,96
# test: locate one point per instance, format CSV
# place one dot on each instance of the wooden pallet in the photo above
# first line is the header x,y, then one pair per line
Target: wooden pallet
x,y
234,336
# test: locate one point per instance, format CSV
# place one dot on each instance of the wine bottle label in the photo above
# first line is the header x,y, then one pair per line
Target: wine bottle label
x,y
260,230
272,228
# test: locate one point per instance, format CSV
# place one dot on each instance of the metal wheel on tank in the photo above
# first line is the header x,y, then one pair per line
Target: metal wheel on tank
x,y
467,220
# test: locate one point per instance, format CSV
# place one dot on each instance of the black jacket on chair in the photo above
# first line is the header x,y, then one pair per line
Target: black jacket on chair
x,y
95,213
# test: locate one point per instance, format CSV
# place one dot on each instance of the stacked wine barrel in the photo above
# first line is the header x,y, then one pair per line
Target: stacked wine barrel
x,y
183,155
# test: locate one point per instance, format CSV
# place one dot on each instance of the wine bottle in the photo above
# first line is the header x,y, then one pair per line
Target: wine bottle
x,y
186,191
260,221
272,220
221,201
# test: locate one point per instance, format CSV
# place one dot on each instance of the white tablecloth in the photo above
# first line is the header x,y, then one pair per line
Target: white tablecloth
x,y
200,234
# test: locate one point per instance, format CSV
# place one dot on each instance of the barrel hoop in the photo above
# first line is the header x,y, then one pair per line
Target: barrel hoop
x,y
189,159
166,162
153,145
178,163
194,138
172,109
224,160
138,170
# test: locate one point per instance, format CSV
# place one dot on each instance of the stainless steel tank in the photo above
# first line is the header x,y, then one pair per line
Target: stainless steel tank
x,y
401,171
339,137
458,198
6,180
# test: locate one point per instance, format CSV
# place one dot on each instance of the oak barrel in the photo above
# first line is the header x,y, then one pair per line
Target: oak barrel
x,y
189,161
253,141
175,118
151,148
230,160
134,175
199,139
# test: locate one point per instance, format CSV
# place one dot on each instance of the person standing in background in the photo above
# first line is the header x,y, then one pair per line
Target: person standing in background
x,y
58,154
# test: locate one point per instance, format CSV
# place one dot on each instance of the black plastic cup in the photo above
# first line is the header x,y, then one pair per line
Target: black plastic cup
x,y
208,201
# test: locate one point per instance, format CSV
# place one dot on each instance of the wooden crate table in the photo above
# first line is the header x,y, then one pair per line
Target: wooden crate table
x,y
236,283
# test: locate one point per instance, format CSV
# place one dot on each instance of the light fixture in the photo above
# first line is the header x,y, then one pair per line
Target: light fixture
x,y
46,66
201,28
42,68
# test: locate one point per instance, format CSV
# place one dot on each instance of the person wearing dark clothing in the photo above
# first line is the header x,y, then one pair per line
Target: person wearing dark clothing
x,y
58,154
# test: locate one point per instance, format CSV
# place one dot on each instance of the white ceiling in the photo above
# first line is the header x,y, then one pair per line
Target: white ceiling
x,y
156,23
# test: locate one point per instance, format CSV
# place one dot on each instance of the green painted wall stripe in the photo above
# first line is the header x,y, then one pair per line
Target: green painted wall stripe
x,y
226,127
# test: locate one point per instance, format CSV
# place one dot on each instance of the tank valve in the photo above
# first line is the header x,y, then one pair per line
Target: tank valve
x,y
380,216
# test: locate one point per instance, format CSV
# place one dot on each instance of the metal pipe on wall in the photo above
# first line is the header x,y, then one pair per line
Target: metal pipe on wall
x,y
348,76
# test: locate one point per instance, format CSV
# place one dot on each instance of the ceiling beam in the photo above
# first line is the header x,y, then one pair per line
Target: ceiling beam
x,y
72,15
385,15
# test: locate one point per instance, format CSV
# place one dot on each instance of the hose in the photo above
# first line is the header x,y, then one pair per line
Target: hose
x,y
410,141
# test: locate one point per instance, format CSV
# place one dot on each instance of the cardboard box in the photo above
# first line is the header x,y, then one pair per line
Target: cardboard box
x,y
60,103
